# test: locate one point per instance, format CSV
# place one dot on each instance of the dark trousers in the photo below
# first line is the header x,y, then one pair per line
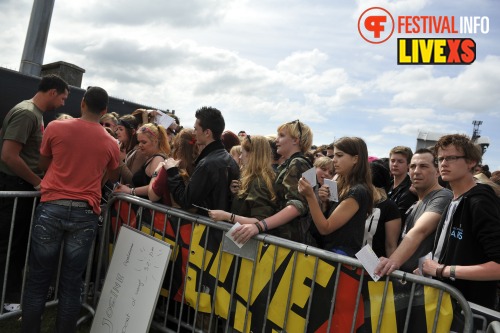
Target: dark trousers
x,y
54,226
20,233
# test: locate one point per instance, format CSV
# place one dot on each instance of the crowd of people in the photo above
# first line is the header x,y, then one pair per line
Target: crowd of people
x,y
438,207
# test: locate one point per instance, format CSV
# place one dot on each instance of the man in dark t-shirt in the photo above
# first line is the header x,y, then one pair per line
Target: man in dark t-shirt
x,y
20,139
399,193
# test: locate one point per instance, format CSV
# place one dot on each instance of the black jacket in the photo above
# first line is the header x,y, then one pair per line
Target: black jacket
x,y
403,197
472,238
209,184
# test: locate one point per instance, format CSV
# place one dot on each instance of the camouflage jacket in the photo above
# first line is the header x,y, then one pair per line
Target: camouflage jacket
x,y
256,202
285,186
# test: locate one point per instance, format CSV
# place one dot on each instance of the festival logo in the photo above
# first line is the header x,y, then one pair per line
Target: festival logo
x,y
377,25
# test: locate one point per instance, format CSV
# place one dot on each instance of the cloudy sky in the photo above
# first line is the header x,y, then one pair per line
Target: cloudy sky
x,y
265,62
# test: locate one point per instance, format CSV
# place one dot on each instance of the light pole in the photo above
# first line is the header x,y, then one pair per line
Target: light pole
x,y
36,37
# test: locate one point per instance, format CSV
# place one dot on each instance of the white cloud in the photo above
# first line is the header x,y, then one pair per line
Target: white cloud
x,y
266,62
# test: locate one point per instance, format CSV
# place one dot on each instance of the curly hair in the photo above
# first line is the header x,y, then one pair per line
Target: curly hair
x,y
463,143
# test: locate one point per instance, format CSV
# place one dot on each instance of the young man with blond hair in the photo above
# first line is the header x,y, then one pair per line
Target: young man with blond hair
x,y
399,193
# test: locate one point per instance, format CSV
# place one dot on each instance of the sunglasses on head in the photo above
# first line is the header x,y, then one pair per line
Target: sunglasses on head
x,y
125,123
299,128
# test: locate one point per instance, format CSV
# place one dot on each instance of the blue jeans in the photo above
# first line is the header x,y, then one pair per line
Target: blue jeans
x,y
54,226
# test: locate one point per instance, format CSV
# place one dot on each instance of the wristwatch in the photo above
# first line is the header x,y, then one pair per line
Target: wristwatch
x,y
452,272
155,174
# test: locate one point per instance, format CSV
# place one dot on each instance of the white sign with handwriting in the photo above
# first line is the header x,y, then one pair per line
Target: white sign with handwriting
x,y
132,283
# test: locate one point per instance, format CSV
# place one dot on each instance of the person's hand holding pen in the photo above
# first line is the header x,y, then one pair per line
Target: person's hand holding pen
x,y
219,215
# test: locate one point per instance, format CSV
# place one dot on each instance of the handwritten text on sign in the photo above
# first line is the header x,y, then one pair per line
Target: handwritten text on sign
x,y
132,283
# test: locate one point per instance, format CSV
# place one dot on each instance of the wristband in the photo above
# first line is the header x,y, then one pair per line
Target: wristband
x,y
264,223
232,218
453,269
258,227
37,187
439,271
132,191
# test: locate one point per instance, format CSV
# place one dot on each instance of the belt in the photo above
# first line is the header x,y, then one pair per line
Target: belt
x,y
70,203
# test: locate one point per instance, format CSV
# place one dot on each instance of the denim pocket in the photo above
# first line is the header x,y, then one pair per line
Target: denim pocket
x,y
85,234
44,229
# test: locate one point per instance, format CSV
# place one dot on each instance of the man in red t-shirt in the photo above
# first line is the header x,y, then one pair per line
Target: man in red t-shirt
x,y
75,153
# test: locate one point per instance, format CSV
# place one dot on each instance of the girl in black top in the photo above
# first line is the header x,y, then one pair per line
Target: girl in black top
x,y
344,228
153,143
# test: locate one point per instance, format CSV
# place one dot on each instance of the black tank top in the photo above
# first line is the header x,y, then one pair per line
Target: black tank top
x,y
140,178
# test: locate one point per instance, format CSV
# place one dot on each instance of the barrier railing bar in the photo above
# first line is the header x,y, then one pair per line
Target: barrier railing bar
x,y
200,290
271,280
7,260
185,280
237,264
313,284
290,289
268,240
250,291
358,298
334,296
410,302
172,272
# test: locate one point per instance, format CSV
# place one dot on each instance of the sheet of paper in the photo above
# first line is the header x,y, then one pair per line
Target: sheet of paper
x,y
334,193
164,120
230,232
310,176
421,262
369,260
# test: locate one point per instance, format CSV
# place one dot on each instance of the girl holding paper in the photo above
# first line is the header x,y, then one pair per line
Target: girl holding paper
x,y
255,196
343,229
290,222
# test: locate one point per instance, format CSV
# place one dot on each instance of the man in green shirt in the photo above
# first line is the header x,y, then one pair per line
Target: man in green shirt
x,y
20,139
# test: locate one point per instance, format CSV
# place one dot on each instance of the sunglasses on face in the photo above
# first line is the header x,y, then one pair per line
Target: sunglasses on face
x,y
106,124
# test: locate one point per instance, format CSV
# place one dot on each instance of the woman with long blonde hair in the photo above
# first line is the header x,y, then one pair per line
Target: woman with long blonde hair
x,y
256,197
290,221
153,143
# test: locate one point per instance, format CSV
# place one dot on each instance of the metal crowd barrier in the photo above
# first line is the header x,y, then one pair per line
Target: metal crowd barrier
x,y
270,284
225,288
52,297
16,195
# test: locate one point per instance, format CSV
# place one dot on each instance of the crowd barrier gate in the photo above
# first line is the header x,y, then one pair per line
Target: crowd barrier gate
x,y
269,285
52,299
272,284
